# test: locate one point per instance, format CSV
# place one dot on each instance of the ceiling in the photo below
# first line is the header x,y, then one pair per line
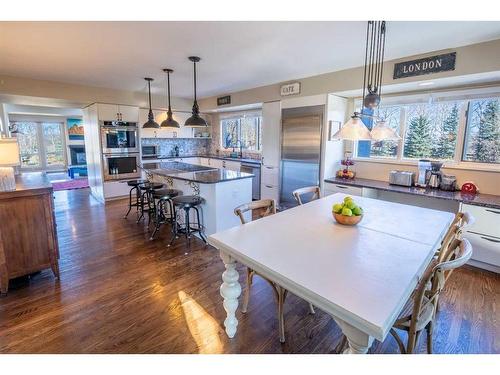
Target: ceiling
x,y
235,55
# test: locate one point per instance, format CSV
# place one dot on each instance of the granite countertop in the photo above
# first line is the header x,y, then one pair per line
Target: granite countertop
x,y
202,175
243,160
485,200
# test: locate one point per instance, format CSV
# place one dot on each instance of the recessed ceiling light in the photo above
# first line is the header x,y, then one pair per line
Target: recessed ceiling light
x,y
425,83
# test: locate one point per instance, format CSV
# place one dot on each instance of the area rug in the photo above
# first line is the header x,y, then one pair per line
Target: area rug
x,y
78,183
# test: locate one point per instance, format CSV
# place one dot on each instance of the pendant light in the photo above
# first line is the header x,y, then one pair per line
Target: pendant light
x,y
169,122
355,129
151,123
382,132
195,121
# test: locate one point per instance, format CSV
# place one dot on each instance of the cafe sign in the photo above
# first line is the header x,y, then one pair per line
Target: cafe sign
x,y
428,65
290,89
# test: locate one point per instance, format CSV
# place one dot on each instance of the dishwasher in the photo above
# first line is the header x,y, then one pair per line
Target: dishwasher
x,y
255,170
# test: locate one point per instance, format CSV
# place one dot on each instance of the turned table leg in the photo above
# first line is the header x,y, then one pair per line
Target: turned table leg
x,y
230,290
359,342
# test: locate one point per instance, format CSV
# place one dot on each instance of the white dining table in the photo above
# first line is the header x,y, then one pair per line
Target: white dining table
x,y
361,275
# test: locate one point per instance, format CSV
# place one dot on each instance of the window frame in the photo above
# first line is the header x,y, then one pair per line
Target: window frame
x,y
457,163
238,117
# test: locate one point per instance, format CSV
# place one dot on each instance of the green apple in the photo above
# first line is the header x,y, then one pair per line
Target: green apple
x,y
337,208
350,204
347,199
346,211
358,211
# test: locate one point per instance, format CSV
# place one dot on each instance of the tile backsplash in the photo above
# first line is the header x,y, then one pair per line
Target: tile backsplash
x,y
187,146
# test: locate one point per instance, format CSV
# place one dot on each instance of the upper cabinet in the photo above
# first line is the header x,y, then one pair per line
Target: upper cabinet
x,y
159,115
271,133
115,112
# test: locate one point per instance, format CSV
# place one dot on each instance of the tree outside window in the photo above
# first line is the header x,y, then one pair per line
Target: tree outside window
x,y
482,137
431,131
244,130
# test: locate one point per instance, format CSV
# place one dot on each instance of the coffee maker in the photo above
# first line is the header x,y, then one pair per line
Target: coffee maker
x,y
424,170
435,177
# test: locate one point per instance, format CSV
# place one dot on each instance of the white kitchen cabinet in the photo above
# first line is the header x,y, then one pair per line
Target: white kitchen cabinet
x,y
115,112
128,113
204,162
484,235
270,192
330,188
160,116
270,175
271,133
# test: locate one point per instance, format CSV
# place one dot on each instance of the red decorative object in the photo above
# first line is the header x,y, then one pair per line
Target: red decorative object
x,y
469,188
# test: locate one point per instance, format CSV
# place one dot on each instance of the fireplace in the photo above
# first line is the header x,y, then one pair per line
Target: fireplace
x,y
77,155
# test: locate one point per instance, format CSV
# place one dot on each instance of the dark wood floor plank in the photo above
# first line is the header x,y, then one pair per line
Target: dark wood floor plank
x,y
121,293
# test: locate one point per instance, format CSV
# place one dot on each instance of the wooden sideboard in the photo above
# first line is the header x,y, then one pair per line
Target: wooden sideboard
x,y
28,237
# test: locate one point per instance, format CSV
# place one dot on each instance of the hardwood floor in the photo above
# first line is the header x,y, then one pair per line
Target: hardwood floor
x,y
121,293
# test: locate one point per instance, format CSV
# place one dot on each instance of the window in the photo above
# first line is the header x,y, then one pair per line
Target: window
x,y
244,129
431,131
41,144
465,130
482,135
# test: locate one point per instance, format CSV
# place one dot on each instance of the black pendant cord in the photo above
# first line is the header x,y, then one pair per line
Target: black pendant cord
x,y
169,112
370,60
366,60
382,30
149,94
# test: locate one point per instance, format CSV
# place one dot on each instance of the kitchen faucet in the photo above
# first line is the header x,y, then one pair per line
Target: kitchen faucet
x,y
241,147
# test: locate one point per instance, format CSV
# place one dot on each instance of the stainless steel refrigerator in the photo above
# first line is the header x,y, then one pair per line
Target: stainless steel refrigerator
x,y
300,150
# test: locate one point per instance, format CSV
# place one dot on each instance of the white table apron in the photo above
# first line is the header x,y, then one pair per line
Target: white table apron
x,y
356,319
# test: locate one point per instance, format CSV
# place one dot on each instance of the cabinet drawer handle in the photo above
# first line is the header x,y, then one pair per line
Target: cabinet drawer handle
x,y
495,212
490,239
269,186
341,187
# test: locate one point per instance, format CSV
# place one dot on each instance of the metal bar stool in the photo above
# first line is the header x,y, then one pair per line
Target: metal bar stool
x,y
147,202
164,208
186,203
134,191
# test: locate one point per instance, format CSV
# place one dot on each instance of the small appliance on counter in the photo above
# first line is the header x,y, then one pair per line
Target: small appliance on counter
x,y
149,152
424,170
403,178
436,175
448,183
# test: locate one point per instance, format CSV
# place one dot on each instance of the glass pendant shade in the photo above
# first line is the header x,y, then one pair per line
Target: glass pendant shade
x,y
169,122
382,132
151,123
353,130
195,121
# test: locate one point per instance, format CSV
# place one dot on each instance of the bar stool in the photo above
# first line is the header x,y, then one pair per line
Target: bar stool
x,y
164,208
147,202
186,203
135,189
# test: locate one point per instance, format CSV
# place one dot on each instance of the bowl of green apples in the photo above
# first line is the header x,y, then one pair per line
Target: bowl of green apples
x,y
347,212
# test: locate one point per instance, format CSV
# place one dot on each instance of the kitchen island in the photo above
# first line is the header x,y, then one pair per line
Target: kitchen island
x,y
221,189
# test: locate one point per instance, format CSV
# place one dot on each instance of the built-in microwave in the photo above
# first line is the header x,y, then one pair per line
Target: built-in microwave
x,y
149,151
119,138
119,167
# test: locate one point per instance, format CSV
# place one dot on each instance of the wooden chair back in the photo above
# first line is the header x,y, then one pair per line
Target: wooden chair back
x,y
458,253
266,207
298,193
461,221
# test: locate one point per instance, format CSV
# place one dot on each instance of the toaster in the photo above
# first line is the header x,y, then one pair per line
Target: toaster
x,y
403,178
